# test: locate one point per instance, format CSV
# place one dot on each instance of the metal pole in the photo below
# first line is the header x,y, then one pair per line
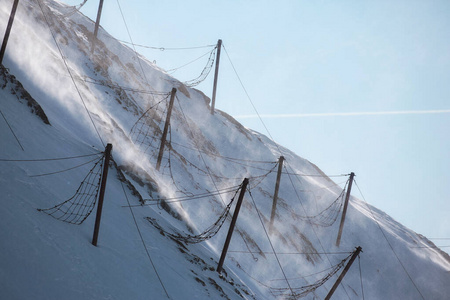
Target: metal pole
x,y
166,128
344,211
338,281
233,223
216,75
102,193
8,30
275,194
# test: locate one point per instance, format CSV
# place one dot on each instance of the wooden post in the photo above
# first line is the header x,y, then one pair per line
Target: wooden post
x,y
99,14
344,211
166,128
275,194
338,281
102,193
216,75
8,30
97,24
233,223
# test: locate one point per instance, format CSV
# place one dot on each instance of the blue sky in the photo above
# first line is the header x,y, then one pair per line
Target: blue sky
x,y
324,57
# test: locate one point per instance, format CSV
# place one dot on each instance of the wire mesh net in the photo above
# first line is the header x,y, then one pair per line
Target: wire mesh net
x,y
327,216
146,132
208,233
302,291
78,207
205,72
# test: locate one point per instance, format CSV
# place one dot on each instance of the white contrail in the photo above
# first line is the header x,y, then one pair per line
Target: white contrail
x,y
346,114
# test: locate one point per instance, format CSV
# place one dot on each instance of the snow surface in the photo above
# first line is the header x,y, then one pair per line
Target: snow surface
x,y
43,258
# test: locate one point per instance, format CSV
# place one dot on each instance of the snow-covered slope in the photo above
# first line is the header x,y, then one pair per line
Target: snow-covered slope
x,y
64,97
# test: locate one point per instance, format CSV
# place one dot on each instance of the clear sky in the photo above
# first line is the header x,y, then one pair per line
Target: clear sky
x,y
305,64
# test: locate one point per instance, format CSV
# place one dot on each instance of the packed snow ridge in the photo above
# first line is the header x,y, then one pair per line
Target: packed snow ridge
x,y
65,95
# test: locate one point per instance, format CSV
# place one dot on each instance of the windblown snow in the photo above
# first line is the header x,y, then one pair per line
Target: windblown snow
x,y
65,95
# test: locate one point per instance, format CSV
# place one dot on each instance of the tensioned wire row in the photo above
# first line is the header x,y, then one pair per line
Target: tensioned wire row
x,y
92,80
50,159
64,170
211,52
242,162
198,196
203,74
112,84
167,48
288,253
261,177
